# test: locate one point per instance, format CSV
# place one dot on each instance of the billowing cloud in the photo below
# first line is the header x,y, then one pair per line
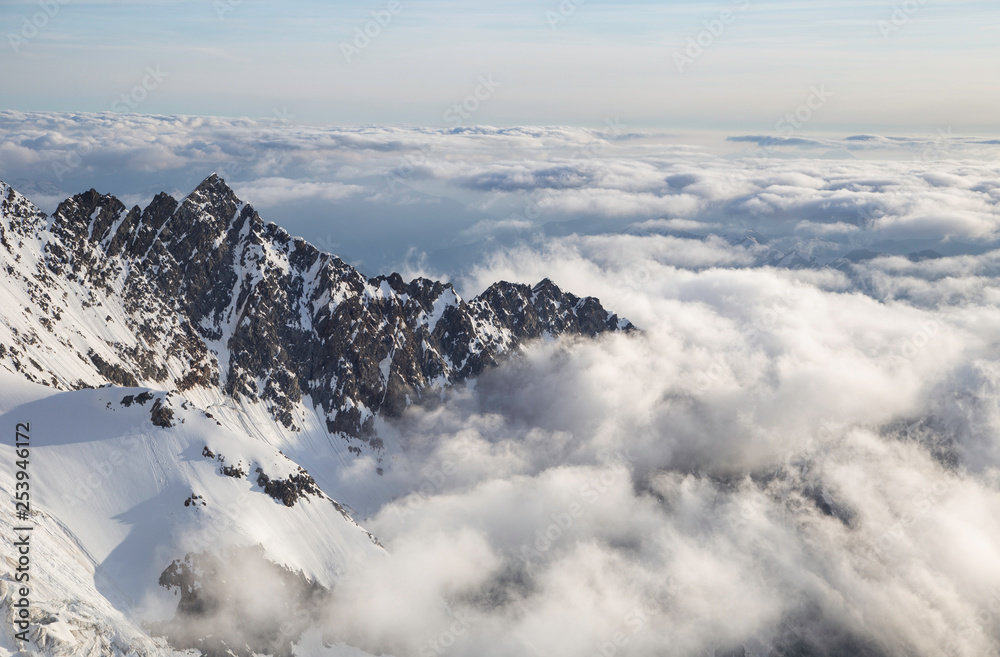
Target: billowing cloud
x,y
781,461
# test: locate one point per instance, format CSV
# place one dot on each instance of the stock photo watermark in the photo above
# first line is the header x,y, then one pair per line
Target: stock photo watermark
x,y
939,147
433,482
637,619
986,618
455,115
888,539
562,13
900,16
130,101
127,102
21,600
789,125
803,114
32,27
447,638
532,209
365,34
223,7
615,129
563,520
715,28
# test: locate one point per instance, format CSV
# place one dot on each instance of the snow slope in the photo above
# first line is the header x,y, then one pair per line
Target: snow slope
x,y
108,491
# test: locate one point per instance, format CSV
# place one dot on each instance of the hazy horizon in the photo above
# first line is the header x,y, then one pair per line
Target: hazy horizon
x,y
723,65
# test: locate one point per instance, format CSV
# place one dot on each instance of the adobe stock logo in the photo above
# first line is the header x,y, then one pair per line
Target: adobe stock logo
x,y
714,29
223,7
458,112
794,121
31,27
562,13
901,15
363,35
150,82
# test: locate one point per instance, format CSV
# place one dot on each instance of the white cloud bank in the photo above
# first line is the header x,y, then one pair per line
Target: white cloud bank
x,y
784,462
470,186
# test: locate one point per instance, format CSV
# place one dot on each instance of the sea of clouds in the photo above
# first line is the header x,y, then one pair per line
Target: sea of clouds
x,y
445,198
780,462
797,453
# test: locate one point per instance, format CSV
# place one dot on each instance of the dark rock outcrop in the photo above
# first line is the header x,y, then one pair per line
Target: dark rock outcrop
x,y
161,414
288,491
221,616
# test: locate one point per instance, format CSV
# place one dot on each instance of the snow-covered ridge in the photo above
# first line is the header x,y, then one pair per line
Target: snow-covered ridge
x,y
204,293
126,482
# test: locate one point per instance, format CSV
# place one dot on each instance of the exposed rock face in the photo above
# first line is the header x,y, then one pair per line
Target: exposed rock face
x,y
161,414
221,614
288,491
211,295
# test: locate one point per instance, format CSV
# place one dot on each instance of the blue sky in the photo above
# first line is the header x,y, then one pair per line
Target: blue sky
x,y
887,67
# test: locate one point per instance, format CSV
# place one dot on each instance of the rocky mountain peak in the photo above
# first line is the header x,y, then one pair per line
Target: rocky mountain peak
x,y
544,285
87,216
207,294
18,215
213,183
214,198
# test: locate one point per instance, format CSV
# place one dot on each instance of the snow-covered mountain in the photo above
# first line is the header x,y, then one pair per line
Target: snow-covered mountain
x,y
192,379
204,294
